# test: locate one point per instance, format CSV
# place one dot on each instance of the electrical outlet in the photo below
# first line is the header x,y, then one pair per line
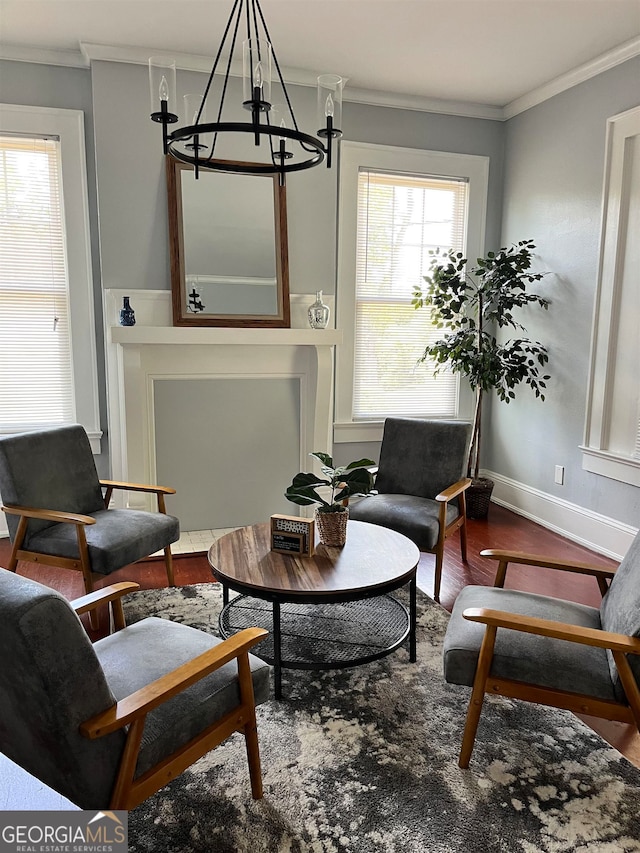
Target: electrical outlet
x,y
559,477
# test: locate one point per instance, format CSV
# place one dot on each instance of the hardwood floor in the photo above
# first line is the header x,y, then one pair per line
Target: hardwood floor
x,y
502,529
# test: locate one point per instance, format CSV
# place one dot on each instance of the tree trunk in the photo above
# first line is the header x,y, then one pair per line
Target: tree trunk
x,y
474,450
473,465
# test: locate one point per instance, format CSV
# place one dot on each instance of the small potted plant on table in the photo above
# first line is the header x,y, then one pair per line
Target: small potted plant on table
x,y
343,482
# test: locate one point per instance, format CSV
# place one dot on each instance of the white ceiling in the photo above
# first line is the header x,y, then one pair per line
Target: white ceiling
x,y
476,51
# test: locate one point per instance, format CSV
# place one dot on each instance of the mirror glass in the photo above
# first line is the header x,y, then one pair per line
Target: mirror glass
x,y
228,246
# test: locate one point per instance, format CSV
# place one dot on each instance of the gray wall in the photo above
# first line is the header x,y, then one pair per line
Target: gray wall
x,y
553,192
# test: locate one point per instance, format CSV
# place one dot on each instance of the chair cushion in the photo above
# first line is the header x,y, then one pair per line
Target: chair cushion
x,y
49,469
543,661
422,457
119,537
620,609
50,682
137,655
414,517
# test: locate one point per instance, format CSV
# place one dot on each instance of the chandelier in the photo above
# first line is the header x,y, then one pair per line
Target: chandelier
x,y
284,147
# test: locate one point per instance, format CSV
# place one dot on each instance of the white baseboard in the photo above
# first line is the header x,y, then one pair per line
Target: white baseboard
x,y
597,532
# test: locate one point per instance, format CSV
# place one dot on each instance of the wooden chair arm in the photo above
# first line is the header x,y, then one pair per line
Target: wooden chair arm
x,y
137,487
558,630
547,563
139,704
105,595
453,491
49,514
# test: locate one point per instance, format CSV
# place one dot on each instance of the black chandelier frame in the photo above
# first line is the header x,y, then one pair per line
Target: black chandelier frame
x,y
281,160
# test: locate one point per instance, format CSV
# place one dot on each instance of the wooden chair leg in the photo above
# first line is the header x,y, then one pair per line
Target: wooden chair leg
x,y
463,542
477,696
630,685
463,527
253,758
250,728
168,561
12,565
122,787
438,574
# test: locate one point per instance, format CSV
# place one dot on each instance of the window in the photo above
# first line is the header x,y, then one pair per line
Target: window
x,y
612,429
35,345
48,370
400,219
395,206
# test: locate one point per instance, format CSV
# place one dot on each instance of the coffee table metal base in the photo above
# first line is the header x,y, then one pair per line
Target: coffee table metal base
x,y
319,636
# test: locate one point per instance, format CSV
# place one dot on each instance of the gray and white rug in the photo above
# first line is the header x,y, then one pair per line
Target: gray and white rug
x,y
365,761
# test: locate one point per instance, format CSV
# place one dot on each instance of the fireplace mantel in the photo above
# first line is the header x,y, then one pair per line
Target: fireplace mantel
x,y
171,335
154,350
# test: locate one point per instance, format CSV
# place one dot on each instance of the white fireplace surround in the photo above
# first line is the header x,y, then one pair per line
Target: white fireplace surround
x,y
153,350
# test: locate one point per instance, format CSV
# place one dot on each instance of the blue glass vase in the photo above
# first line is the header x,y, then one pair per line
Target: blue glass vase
x,y
127,314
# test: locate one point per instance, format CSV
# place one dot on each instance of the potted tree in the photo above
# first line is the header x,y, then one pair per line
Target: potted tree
x,y
472,303
342,482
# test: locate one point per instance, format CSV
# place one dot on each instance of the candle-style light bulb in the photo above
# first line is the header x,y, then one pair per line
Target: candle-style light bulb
x,y
328,107
258,76
163,89
284,125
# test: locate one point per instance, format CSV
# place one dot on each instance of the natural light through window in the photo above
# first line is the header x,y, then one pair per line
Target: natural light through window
x,y
400,218
36,376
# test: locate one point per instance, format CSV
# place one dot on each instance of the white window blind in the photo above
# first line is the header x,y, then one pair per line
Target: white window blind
x,y
400,217
36,375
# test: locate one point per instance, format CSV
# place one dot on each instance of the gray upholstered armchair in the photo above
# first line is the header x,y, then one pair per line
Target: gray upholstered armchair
x,y
57,512
420,485
547,650
107,725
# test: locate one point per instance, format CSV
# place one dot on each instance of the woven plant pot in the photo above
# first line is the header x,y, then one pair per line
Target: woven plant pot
x,y
332,527
478,497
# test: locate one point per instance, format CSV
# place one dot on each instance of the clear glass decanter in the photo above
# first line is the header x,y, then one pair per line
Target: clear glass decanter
x,y
319,313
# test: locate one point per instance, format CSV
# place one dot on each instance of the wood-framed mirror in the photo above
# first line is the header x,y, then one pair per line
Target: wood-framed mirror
x,y
228,248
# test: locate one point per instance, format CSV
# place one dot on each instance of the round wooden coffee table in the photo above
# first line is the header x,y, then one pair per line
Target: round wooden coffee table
x,y
328,611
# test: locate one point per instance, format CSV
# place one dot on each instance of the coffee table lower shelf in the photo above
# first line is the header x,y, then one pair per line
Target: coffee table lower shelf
x,y
322,636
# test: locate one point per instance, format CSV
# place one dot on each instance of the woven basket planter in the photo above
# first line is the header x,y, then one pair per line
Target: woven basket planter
x,y
332,527
478,497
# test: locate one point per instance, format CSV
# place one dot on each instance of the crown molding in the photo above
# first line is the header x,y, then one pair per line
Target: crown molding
x,y
616,56
184,61
417,103
89,52
295,76
43,56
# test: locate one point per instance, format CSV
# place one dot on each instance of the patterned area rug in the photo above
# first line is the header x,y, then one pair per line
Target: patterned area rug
x,y
365,761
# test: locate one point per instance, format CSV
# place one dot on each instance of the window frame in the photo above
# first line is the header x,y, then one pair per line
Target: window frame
x,y
354,157
608,388
68,127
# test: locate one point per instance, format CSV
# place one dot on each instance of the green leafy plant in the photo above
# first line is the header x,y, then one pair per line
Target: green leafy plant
x,y
343,482
471,303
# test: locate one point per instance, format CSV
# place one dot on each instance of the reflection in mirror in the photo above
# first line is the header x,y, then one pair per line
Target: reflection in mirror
x,y
228,246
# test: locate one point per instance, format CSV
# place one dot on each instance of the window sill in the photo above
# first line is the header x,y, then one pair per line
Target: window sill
x,y
622,468
357,431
